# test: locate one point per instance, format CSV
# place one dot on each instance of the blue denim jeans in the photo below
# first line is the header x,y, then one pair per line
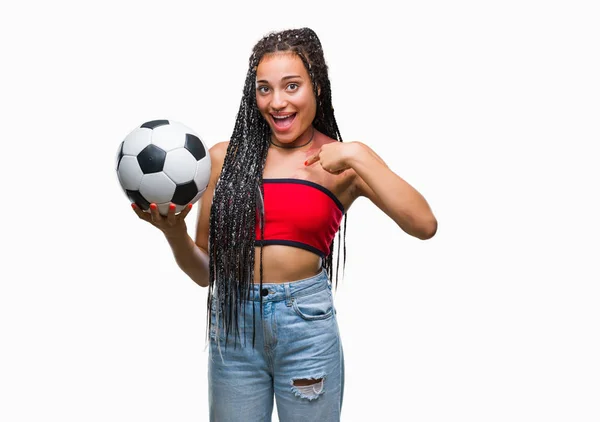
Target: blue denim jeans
x,y
297,340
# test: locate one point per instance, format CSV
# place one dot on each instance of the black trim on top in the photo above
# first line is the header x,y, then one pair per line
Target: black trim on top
x,y
293,243
309,183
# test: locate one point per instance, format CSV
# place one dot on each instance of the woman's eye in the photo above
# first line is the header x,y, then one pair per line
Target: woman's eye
x,y
263,89
293,86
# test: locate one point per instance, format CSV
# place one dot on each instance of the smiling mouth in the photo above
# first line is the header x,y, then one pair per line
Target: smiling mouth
x,y
283,122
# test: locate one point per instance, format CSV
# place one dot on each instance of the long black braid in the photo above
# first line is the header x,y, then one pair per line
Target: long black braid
x,y
233,213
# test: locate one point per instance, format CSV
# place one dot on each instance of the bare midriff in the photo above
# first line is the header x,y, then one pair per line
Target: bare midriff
x,y
285,263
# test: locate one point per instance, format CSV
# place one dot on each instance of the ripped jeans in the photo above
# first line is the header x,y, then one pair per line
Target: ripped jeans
x,y
297,358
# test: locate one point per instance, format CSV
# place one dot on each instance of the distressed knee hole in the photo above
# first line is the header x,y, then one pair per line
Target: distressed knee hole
x,y
308,388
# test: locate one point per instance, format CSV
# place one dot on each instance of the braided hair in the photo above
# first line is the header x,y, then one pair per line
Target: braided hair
x,y
234,207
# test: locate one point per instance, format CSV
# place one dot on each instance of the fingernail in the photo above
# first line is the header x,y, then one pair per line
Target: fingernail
x,y
153,206
190,206
306,162
133,205
172,206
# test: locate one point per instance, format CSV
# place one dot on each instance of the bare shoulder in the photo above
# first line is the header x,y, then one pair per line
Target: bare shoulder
x,y
217,157
355,184
218,152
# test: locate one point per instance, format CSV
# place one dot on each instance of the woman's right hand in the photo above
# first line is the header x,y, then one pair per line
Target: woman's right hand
x,y
172,225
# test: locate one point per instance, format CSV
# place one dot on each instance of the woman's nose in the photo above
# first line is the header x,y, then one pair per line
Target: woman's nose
x,y
278,101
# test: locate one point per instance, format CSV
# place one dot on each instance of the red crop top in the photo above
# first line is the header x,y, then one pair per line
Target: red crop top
x,y
299,213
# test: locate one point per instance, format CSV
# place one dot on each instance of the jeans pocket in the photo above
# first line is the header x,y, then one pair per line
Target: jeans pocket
x,y
238,330
315,306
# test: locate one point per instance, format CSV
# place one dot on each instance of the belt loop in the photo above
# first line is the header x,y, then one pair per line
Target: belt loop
x,y
288,294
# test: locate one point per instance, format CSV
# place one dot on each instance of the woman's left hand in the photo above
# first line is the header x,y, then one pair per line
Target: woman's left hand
x,y
334,157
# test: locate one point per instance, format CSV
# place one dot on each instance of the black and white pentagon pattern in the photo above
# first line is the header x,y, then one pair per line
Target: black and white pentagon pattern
x,y
151,159
136,141
119,154
194,145
129,172
180,165
157,188
162,162
171,136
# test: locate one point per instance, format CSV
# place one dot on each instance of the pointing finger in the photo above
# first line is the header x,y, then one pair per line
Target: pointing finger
x,y
312,159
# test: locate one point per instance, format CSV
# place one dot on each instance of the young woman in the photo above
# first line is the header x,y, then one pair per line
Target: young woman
x,y
265,237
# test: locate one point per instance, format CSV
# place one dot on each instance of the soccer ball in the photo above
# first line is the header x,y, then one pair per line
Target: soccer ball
x,y
163,161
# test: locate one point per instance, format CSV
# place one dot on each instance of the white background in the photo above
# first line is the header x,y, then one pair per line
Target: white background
x,y
490,109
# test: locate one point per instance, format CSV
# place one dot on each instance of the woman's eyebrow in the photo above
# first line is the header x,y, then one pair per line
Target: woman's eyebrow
x,y
283,79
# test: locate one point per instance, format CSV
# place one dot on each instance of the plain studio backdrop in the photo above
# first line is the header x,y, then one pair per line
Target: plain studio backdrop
x,y
490,109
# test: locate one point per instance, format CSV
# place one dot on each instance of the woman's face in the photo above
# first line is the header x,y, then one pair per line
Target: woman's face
x,y
285,97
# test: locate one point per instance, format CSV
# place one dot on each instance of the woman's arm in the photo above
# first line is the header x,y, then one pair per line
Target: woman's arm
x,y
390,193
374,180
192,257
200,245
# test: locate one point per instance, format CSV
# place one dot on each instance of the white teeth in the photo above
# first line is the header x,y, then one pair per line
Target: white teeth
x,y
282,117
